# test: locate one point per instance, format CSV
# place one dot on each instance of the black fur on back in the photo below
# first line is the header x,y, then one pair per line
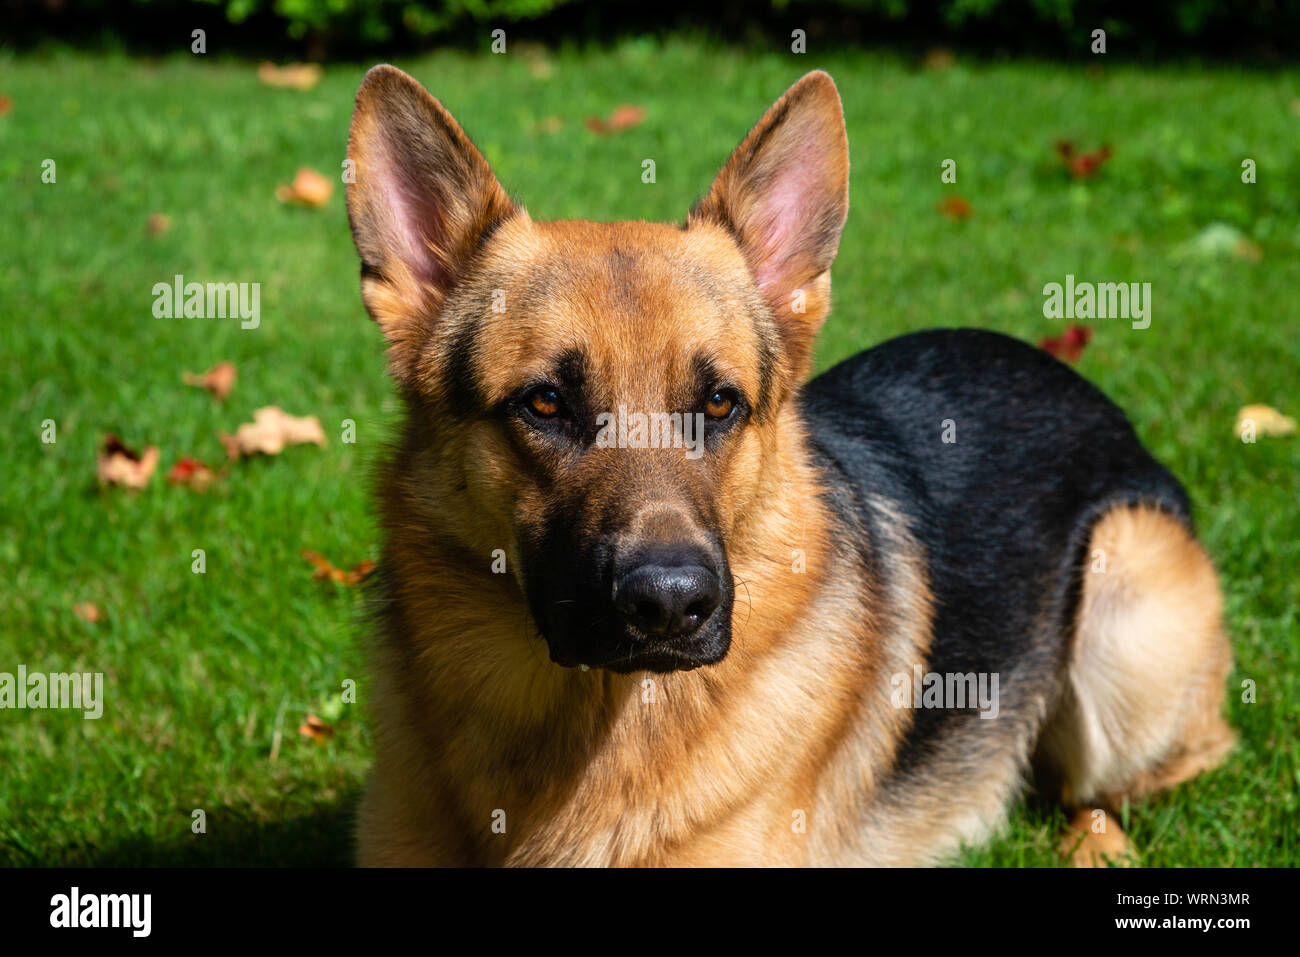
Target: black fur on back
x,y
1004,513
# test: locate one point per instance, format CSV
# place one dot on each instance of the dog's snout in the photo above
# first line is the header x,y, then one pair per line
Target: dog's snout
x,y
668,596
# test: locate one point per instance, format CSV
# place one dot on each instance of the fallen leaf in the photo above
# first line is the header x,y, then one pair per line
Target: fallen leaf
x,y
218,380
119,465
191,472
6,104
87,611
1070,344
1266,419
316,729
270,431
1245,249
623,118
552,124
325,569
939,58
157,224
1082,165
956,208
309,188
292,76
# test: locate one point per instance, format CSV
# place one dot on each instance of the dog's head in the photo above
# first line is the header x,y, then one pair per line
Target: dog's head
x,y
595,405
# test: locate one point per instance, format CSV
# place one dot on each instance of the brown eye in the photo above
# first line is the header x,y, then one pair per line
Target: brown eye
x,y
719,405
544,403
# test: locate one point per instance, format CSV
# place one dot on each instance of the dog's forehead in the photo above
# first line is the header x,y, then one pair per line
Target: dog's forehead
x,y
634,299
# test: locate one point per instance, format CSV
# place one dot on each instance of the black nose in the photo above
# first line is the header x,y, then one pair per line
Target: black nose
x,y
668,600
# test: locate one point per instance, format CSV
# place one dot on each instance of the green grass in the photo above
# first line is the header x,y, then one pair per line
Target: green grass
x,y
205,672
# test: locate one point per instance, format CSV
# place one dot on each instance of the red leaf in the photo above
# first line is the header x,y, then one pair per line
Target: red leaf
x,y
956,208
191,472
1069,345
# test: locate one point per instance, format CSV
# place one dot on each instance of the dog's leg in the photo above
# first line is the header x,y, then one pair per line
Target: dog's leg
x,y
1140,707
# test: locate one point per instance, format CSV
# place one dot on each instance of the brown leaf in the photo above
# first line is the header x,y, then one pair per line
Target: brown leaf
x,y
292,76
270,431
623,118
1082,165
1245,249
325,569
939,58
191,472
119,465
6,104
218,380
157,224
87,611
316,729
309,188
956,208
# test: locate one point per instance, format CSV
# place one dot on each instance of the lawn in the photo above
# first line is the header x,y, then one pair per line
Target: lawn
x,y
209,676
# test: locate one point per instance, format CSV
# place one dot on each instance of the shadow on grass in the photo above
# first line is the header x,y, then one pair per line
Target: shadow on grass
x,y
319,837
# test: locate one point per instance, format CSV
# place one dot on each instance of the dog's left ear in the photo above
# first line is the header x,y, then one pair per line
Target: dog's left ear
x,y
784,195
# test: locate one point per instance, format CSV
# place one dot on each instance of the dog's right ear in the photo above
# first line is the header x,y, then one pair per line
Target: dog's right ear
x,y
420,199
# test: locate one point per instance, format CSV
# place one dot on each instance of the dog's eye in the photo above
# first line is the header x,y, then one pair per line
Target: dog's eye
x,y
720,404
544,402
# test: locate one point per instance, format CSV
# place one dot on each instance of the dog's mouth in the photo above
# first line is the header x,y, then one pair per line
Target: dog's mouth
x,y
626,650
658,660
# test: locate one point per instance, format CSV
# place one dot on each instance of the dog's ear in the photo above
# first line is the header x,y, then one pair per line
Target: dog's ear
x,y
420,199
784,195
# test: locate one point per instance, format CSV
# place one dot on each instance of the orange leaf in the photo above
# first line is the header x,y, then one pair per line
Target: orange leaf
x,y
218,380
119,465
87,611
956,208
316,729
623,118
309,188
324,570
6,104
292,76
157,224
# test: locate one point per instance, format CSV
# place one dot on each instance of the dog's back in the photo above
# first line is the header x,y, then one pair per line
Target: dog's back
x,y
1043,521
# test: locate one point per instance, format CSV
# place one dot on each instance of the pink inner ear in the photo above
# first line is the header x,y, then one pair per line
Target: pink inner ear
x,y
782,216
415,220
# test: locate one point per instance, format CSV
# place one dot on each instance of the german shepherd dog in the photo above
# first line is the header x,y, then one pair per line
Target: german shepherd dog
x,y
758,643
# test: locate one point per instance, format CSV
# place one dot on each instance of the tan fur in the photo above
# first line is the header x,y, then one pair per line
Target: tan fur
x,y
1140,710
779,754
